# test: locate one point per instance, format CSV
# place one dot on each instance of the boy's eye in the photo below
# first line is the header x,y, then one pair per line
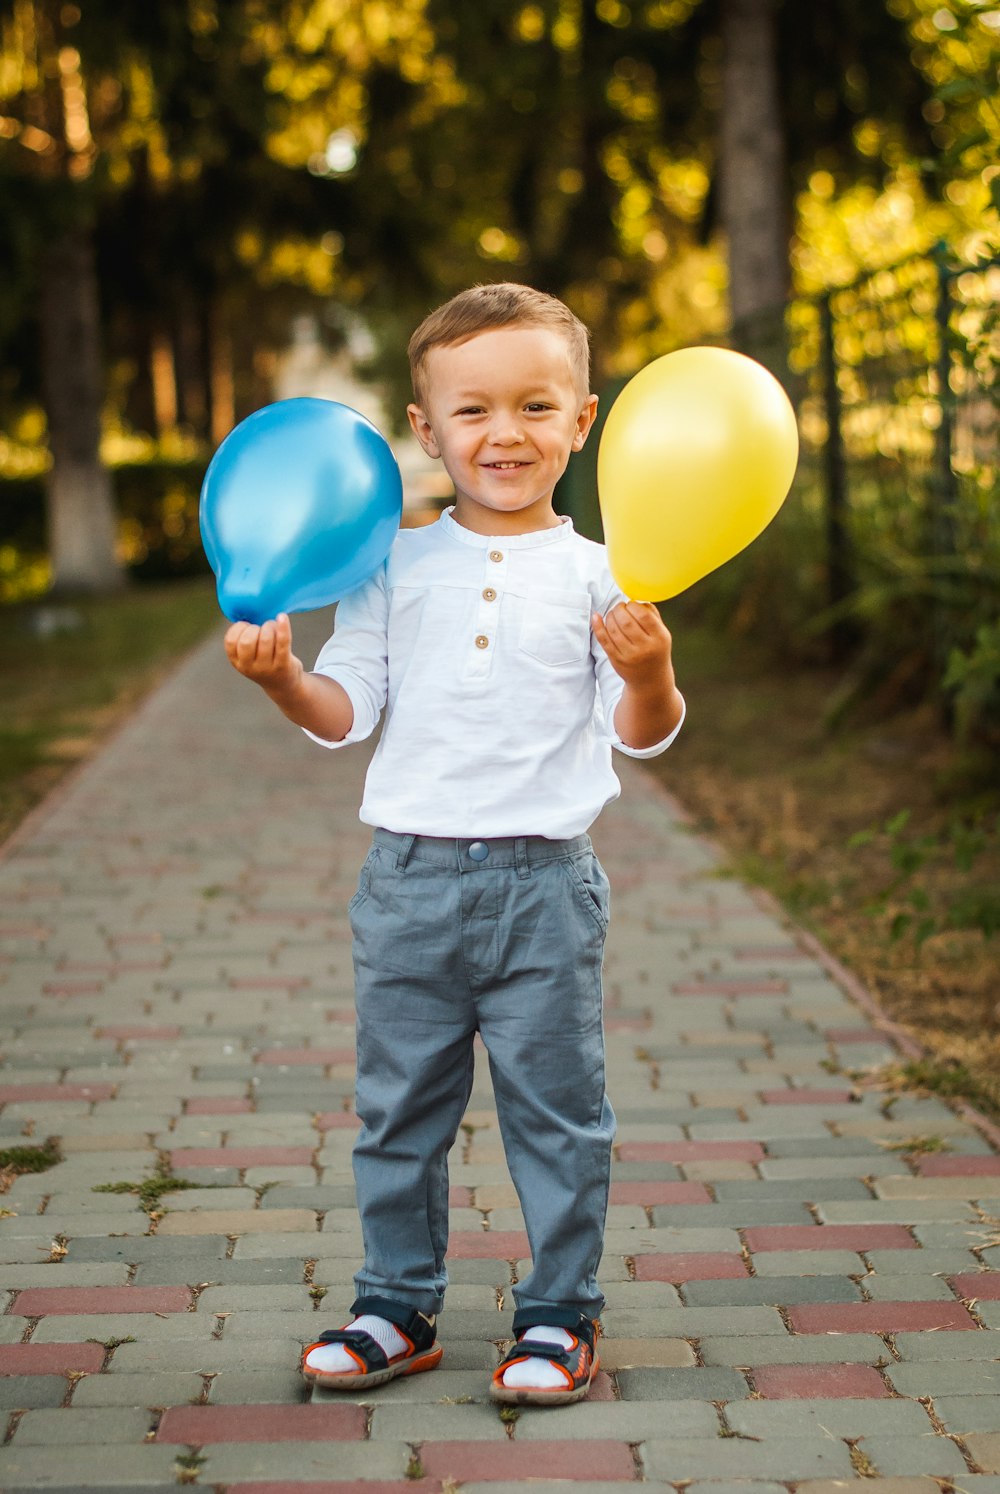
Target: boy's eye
x,y
538,405
471,410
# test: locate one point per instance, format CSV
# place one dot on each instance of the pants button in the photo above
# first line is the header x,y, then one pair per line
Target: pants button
x,y
479,850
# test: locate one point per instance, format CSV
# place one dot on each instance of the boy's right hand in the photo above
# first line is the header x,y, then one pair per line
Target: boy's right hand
x,y
264,654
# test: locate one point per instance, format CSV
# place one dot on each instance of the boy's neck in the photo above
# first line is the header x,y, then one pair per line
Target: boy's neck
x,y
480,520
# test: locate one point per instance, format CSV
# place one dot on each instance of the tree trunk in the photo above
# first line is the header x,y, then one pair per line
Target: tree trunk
x,y
752,179
80,502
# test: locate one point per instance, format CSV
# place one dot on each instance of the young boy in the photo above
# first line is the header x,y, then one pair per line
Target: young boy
x,y
509,664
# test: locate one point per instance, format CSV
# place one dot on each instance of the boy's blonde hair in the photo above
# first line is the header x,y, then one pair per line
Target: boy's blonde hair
x,y
486,308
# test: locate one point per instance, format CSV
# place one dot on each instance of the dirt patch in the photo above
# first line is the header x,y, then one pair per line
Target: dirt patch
x,y
878,836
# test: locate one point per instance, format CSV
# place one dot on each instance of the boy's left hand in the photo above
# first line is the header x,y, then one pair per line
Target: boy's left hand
x,y
636,640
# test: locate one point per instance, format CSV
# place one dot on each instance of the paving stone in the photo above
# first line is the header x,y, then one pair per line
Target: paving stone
x,y
905,1455
142,1390
918,1347
696,1383
73,1427
736,1458
839,1418
949,1377
969,1413
855,1348
466,1462
907,1288
985,1450
229,1464
818,1382
29,1392
781,1290
100,1467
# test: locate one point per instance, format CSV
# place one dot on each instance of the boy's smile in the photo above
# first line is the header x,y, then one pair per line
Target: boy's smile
x,y
503,411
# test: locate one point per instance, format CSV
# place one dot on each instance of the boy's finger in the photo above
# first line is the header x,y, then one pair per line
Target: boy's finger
x,y
282,636
246,648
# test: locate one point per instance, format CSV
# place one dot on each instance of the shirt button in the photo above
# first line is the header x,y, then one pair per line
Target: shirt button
x,y
489,595
482,641
496,556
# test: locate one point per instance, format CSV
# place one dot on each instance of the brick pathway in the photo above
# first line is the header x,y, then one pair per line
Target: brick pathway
x,y
801,1290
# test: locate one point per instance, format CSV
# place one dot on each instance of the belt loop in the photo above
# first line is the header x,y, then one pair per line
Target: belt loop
x,y
403,853
521,857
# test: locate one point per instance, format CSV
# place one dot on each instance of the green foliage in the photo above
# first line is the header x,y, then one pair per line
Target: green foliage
x,y
921,897
15,1160
973,677
151,1190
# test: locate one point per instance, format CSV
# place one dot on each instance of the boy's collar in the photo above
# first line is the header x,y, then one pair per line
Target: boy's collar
x,y
529,541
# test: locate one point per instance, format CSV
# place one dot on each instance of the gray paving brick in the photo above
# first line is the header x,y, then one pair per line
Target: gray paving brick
x,y
847,1418
140,1390
257,1387
100,1467
28,1392
811,1262
728,1458
74,1427
266,1461
944,1345
781,1290
204,1356
689,1383
812,1348
907,1288
692,1322
969,1413
903,1455
738,1214
621,1421
948,1377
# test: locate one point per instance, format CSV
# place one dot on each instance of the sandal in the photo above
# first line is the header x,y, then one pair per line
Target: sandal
x,y
579,1363
374,1367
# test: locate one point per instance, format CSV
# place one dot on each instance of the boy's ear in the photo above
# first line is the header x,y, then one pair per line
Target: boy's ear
x,y
584,421
422,429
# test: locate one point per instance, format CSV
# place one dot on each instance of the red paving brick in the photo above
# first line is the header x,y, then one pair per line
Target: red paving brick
x,y
317,1056
51,1301
220,1105
242,1156
818,1382
50,1359
829,1237
690,1151
958,1167
985,1285
137,1034
877,1317
477,1462
648,1194
336,1120
11,1093
854,1035
199,1425
690,1266
489,1245
460,1197
72,987
806,1096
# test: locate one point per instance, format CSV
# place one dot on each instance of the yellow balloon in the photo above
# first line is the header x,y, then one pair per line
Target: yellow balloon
x,y
696,457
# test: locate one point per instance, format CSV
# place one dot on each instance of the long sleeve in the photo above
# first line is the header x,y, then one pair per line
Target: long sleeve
x,y
356,656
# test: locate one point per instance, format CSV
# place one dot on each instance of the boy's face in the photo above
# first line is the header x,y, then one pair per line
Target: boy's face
x,y
503,412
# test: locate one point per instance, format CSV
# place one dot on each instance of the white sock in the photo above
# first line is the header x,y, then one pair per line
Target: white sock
x,y
536,1372
333,1359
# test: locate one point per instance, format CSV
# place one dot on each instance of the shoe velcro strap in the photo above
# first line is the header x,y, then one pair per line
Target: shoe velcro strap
x,y
410,1319
556,1317
367,1348
536,1348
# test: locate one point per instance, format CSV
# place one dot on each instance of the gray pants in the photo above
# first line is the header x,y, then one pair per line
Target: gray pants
x,y
509,945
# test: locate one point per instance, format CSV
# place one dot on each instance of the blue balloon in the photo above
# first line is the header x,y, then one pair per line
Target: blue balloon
x,y
300,504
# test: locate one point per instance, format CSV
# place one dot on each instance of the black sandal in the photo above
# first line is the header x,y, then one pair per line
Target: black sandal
x,y
578,1364
374,1366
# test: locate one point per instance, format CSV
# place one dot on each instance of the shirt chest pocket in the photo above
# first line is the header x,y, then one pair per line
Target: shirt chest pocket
x,y
555,627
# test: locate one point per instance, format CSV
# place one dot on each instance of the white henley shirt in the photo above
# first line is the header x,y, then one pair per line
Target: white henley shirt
x,y
499,701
